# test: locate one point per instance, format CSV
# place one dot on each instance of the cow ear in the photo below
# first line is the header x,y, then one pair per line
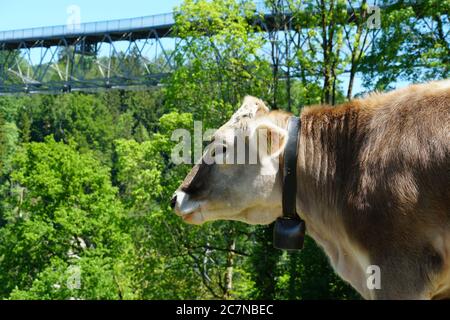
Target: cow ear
x,y
251,108
271,139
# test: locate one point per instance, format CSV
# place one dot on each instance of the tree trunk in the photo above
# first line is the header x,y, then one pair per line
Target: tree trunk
x,y
229,272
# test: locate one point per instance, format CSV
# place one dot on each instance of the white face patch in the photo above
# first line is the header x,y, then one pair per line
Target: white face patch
x,y
243,183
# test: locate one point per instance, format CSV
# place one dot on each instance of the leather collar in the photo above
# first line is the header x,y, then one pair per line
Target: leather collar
x,y
289,180
289,229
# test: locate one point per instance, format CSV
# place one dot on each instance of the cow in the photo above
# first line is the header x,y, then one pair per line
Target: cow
x,y
373,185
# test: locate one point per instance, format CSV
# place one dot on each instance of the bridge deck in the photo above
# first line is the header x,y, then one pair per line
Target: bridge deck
x,y
49,36
159,25
142,27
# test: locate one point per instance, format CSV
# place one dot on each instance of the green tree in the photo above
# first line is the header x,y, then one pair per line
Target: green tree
x,y
217,63
63,214
414,44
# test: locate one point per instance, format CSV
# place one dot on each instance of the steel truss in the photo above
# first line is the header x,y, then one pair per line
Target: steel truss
x,y
85,64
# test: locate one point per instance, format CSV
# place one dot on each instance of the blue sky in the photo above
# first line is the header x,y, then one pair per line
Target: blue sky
x,y
19,14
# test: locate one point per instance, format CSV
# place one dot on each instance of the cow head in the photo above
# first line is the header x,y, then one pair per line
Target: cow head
x,y
238,176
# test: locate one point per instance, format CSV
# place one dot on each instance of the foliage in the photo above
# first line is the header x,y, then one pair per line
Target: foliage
x,y
418,45
86,179
63,212
218,64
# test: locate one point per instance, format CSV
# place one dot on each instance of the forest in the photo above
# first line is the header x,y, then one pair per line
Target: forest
x,y
86,178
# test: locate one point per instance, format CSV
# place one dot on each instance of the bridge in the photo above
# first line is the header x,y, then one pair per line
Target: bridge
x,y
61,58
125,53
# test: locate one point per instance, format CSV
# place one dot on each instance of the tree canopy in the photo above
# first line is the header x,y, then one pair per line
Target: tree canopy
x,y
86,178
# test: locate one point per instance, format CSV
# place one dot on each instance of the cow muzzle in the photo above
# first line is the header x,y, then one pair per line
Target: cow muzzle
x,y
185,207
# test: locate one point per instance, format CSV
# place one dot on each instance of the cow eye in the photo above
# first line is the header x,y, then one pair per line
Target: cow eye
x,y
222,149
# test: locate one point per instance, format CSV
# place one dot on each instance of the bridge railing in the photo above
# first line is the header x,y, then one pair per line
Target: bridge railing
x,y
159,20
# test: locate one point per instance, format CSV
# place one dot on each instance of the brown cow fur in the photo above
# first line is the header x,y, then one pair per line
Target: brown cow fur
x,y
374,188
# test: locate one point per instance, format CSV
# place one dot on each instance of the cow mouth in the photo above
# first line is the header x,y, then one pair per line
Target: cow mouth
x,y
187,209
194,217
188,216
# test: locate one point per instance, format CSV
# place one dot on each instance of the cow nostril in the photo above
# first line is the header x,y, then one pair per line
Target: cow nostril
x,y
173,202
